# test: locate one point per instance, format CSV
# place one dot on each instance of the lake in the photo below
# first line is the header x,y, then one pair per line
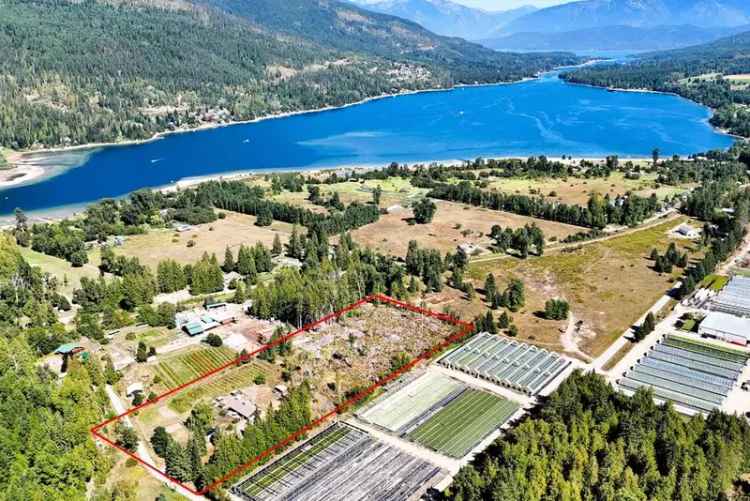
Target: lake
x,y
544,116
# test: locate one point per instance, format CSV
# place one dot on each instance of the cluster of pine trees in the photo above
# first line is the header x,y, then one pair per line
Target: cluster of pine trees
x,y
426,264
327,282
522,240
670,259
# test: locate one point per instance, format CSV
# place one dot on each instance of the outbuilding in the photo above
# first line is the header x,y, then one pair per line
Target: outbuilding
x,y
726,327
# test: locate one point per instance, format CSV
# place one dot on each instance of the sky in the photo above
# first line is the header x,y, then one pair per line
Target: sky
x,y
509,4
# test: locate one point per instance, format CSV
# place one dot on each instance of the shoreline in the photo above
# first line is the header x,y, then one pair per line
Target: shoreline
x,y
54,214
273,116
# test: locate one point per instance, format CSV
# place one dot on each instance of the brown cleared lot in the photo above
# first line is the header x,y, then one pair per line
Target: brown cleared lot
x,y
234,230
453,224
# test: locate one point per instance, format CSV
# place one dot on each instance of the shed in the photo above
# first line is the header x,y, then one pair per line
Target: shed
x,y
69,349
688,231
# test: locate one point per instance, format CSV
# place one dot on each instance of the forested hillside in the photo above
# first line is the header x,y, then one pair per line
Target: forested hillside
x,y
80,72
45,448
712,74
590,442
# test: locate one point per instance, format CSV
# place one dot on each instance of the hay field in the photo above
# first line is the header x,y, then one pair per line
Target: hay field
x,y
454,224
234,230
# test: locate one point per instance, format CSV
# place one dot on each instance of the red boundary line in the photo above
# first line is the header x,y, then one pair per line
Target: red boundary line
x,y
465,329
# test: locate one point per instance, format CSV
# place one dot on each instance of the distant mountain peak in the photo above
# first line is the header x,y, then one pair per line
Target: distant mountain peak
x,y
586,14
446,17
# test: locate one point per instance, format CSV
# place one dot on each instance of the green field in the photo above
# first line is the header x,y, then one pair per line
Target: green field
x,y
223,384
715,282
60,269
179,369
461,425
396,409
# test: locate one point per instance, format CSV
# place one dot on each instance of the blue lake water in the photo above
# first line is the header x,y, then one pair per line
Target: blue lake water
x,y
544,116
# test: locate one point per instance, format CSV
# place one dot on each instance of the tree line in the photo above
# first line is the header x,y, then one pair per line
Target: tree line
x,y
590,442
599,212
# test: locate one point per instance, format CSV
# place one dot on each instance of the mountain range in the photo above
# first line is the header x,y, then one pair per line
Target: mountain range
x,y
580,26
637,13
613,38
448,18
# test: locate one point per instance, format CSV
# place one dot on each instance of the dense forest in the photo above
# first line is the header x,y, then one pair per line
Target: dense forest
x,y
697,73
589,442
94,71
45,448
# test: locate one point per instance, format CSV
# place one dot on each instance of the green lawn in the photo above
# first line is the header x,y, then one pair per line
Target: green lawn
x,y
688,325
60,269
461,425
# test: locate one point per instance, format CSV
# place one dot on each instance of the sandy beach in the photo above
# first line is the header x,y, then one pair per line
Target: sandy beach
x,y
23,170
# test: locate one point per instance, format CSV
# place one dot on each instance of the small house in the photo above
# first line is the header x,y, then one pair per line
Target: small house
x,y
68,349
134,388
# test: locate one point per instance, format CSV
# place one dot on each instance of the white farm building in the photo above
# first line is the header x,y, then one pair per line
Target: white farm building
x,y
725,327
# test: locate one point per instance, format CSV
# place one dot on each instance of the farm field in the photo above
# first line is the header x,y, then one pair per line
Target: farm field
x,y
577,190
212,238
396,190
464,422
225,383
60,268
395,410
609,284
179,369
453,224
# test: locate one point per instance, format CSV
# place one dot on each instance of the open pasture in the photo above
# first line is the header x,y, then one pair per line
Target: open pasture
x,y
454,224
232,231
609,285
578,190
60,269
